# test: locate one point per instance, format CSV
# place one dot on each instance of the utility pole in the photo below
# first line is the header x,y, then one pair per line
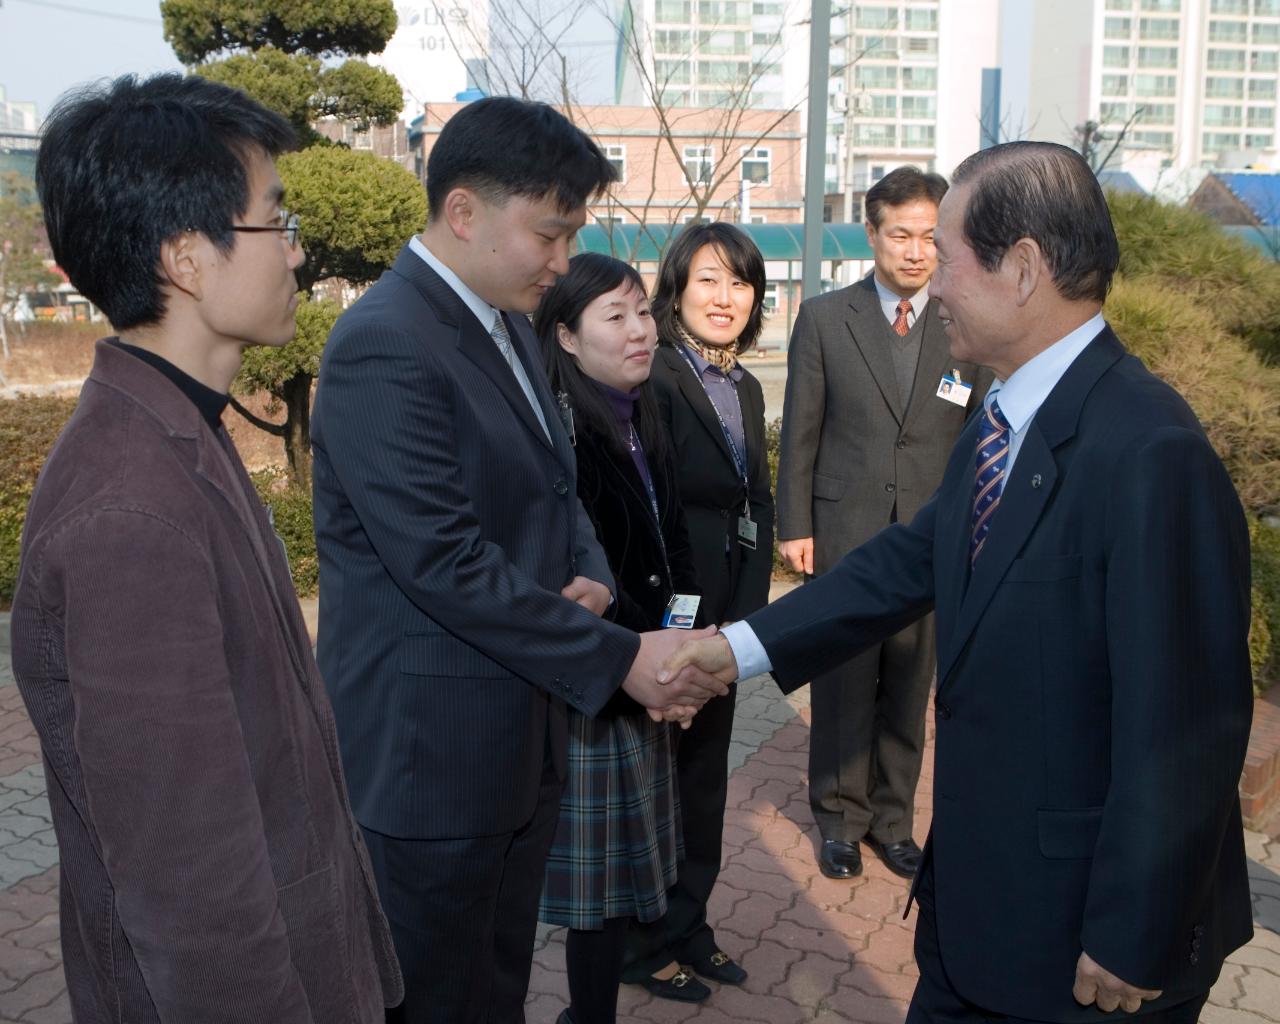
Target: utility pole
x,y
815,168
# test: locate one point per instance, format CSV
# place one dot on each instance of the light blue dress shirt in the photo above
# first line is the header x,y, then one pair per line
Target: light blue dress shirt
x,y
1020,398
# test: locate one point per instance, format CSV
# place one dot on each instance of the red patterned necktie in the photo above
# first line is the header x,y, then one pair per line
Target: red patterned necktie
x,y
900,326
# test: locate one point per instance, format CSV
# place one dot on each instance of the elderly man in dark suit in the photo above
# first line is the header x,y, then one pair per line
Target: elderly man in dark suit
x,y
210,867
1089,562
461,583
874,403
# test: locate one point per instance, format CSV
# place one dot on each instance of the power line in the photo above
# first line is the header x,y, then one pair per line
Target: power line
x,y
137,19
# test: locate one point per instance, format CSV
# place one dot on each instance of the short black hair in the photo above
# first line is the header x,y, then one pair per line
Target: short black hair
x,y
903,185
126,165
1048,193
502,147
740,254
591,275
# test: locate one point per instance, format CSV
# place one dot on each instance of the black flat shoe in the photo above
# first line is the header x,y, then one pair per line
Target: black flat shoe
x,y
682,986
839,860
720,967
902,857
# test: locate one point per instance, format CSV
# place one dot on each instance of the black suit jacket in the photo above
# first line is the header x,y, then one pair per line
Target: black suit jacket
x,y
446,525
1094,698
712,492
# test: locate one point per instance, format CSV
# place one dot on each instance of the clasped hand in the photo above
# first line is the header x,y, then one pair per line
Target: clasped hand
x,y
1095,984
677,671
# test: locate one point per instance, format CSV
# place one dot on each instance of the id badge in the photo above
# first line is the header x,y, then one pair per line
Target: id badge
x,y
682,609
747,532
953,389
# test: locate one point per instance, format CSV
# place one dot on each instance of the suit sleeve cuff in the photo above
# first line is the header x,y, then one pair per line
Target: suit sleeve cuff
x,y
748,652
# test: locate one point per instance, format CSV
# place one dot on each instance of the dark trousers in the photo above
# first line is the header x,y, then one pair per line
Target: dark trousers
x,y
463,914
702,772
867,738
935,1001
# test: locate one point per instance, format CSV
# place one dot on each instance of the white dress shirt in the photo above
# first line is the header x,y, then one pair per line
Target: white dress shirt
x,y
889,302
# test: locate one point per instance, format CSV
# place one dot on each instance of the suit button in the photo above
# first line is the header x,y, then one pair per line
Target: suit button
x,y
561,486
653,580
941,710
901,443
890,488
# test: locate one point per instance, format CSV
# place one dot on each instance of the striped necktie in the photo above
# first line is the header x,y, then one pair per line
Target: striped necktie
x,y
993,461
502,338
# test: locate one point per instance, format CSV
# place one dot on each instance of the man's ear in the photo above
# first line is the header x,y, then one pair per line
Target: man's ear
x,y
460,208
1026,262
182,260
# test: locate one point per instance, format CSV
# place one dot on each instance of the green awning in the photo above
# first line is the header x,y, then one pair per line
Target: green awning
x,y
638,243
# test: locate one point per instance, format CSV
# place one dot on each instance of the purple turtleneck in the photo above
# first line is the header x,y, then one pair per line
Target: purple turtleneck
x,y
623,404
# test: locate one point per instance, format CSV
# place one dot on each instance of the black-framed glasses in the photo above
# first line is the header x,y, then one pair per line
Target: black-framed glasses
x,y
289,227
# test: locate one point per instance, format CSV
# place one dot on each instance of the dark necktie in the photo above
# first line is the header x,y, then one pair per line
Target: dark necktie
x,y
993,460
900,326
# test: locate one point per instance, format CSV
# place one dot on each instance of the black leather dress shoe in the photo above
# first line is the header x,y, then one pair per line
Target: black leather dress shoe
x,y
682,986
902,857
719,966
839,860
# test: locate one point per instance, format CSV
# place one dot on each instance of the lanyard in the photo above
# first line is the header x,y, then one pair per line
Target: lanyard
x,y
739,460
633,439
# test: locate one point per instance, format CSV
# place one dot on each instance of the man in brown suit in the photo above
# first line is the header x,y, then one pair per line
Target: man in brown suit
x,y
873,407
210,866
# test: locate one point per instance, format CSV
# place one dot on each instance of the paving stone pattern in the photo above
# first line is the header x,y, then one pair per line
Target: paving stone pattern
x,y
817,950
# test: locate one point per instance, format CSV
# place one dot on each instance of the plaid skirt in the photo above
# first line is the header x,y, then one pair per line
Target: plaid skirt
x,y
618,839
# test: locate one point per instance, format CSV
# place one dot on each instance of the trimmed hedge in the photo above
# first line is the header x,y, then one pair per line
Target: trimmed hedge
x,y
291,514
28,428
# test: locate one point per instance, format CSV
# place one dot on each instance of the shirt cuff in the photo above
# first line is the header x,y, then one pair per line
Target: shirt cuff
x,y
748,652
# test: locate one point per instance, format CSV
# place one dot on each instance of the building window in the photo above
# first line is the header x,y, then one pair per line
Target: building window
x,y
1216,142
922,46
609,221
1157,56
1262,117
1115,85
877,17
878,47
362,140
1155,113
616,153
679,11
871,76
1160,140
724,42
1262,89
671,72
672,40
922,19
1264,60
1113,113
1117,28
1224,88
874,135
724,12
1218,116
770,298
693,218
1268,8
920,79
1266,33
917,136
1163,6
919,107
883,106
1155,85
756,164
1225,60
1115,56
1257,141
1119,5
1229,6
767,10
699,164
759,218
1159,28
1227,31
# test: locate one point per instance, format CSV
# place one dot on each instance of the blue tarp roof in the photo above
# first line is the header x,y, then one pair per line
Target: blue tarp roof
x,y
1120,181
1258,191
644,243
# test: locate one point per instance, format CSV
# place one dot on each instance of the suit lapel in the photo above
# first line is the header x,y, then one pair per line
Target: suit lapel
x,y
474,340
867,328
1026,495
935,360
698,401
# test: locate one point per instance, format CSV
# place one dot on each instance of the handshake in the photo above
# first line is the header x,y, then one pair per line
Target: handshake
x,y
677,671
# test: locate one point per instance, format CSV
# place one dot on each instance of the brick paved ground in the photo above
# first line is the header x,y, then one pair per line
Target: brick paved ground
x,y
817,950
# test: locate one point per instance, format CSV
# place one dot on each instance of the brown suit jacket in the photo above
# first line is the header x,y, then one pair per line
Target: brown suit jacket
x,y
850,454
210,867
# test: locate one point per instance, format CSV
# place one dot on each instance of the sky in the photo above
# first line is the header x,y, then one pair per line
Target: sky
x,y
48,46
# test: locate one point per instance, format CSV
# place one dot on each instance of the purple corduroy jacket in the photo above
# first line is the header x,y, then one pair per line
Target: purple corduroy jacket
x,y
210,866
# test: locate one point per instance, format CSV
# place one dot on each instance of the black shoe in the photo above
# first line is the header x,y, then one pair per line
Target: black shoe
x,y
720,967
682,986
839,860
565,1017
902,857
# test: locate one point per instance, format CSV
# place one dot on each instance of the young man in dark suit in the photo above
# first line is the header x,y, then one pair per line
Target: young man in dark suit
x,y
461,584
874,404
210,867
1089,562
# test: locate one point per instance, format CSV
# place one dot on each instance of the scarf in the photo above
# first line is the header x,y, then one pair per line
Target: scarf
x,y
724,359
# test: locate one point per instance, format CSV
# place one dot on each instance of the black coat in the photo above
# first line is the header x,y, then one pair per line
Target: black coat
x,y
734,579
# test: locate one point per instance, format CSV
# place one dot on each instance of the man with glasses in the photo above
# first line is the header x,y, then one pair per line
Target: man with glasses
x,y
210,866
